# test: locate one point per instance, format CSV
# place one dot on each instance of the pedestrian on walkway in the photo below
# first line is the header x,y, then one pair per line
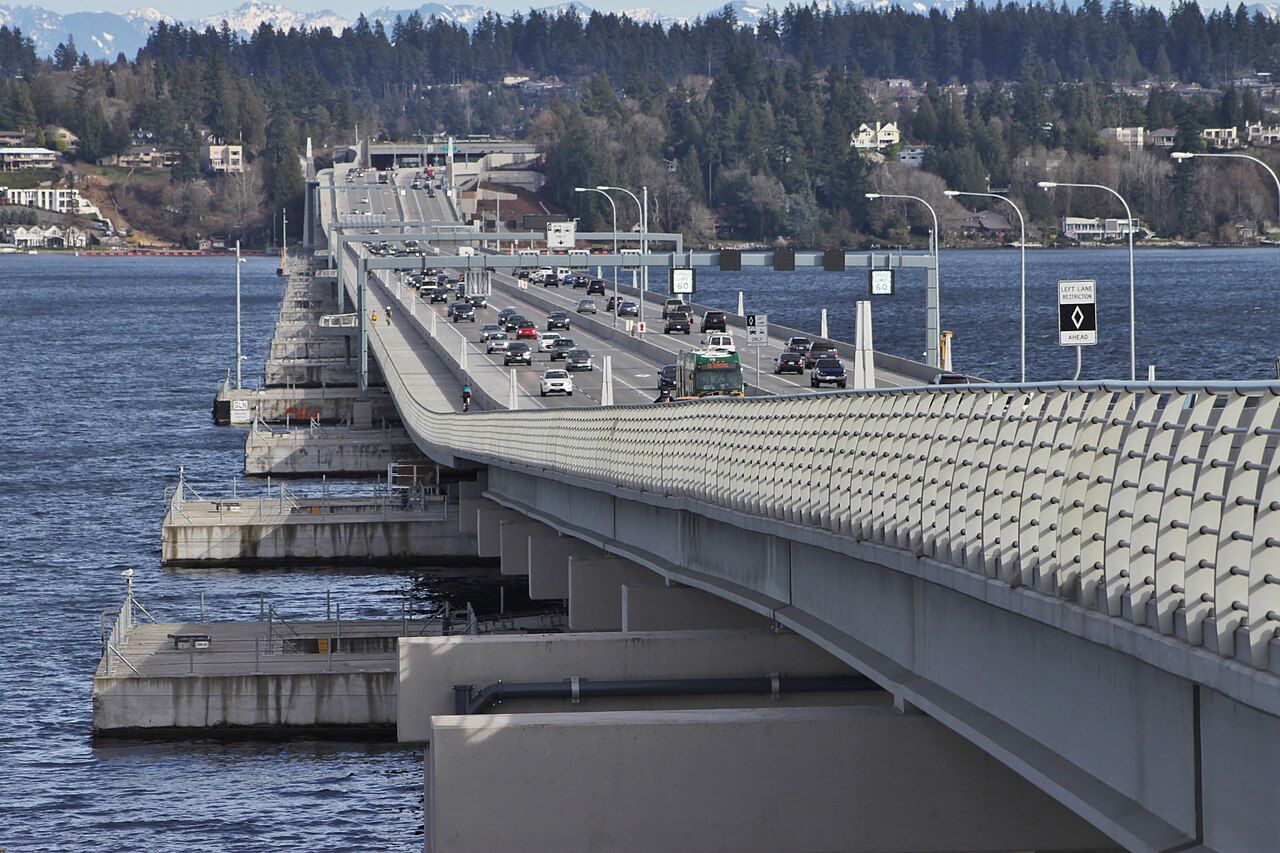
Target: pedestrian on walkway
x,y
373,318
388,315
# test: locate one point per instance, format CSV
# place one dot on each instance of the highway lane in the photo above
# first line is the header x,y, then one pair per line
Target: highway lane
x,y
633,377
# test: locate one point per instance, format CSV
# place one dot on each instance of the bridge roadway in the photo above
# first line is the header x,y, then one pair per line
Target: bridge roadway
x,y
1078,578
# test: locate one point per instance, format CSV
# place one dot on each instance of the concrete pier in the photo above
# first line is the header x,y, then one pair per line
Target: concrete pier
x,y
299,405
859,778
288,530
315,372
252,679
332,451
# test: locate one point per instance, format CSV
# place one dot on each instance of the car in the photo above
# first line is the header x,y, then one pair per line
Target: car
x,y
438,294
460,311
490,330
555,381
595,286
827,371
628,309
789,362
517,352
498,343
798,344
479,300
587,306
819,351
718,341
578,359
557,320
514,321
678,321
667,377
504,313
675,303
526,331
581,281
714,321
950,379
613,304
546,339
558,347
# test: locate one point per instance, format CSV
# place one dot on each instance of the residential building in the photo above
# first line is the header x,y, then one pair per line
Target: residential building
x,y
912,155
13,159
1245,230
1162,138
57,199
1084,228
61,137
142,157
223,158
875,137
514,80
1129,137
1221,137
12,138
1258,133
990,222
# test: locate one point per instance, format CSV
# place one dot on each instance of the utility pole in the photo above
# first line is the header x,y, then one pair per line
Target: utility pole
x,y
284,228
238,356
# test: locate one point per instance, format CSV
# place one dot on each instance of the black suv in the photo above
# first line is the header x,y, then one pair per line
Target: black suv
x,y
714,321
596,286
827,371
557,320
439,294
789,362
820,351
517,352
678,321
560,348
667,378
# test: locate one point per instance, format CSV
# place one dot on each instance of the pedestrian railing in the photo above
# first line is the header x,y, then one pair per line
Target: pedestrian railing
x,y
1153,503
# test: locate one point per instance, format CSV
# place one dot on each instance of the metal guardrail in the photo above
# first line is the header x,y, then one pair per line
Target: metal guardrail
x,y
1155,503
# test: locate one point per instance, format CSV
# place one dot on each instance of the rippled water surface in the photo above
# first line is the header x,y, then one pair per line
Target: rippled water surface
x,y
109,372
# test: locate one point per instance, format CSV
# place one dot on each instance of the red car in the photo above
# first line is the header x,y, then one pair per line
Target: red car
x,y
527,330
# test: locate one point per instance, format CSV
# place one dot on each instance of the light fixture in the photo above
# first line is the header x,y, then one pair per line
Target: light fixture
x,y
950,193
1047,185
1181,155
873,196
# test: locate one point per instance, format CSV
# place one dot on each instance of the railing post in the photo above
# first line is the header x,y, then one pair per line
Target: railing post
x,y
328,601
202,608
257,663
338,639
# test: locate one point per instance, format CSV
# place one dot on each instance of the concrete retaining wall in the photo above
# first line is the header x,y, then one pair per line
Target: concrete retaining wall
x,y
301,453
301,405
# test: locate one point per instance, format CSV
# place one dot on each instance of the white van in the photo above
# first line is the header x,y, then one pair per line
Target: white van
x,y
718,341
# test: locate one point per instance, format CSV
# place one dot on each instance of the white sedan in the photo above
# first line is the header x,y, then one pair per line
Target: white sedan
x,y
545,339
497,343
555,382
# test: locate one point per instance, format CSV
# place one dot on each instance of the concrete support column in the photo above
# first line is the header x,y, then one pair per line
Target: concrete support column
x,y
549,565
595,591
489,519
513,543
471,498
679,608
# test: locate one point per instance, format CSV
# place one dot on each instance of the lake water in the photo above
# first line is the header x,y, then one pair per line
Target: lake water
x,y
110,371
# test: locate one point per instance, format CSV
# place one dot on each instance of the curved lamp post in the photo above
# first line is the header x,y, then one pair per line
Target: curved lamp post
x,y
644,241
933,306
1022,245
613,205
1133,348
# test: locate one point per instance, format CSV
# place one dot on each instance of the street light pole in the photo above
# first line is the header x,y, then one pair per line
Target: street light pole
x,y
239,357
644,241
613,205
1133,339
933,299
1022,227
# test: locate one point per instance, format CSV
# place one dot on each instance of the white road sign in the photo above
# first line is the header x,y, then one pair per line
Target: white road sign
x,y
757,330
1077,313
561,235
683,280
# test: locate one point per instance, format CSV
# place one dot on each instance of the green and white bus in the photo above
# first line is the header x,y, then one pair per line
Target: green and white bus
x,y
709,373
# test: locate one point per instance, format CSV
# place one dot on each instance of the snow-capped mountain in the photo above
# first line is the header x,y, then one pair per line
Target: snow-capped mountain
x,y
104,35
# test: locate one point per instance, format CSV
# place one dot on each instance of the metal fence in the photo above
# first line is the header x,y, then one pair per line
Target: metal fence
x,y
1155,503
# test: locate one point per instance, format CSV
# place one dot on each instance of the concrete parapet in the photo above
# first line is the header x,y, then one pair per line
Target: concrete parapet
x,y
431,666
325,450
656,607
824,778
595,591
316,372
305,347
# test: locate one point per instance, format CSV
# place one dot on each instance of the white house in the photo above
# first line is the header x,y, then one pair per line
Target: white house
x,y
1221,137
58,199
875,137
1085,228
912,155
1260,134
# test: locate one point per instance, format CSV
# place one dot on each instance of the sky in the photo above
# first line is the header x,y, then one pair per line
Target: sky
x,y
349,8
